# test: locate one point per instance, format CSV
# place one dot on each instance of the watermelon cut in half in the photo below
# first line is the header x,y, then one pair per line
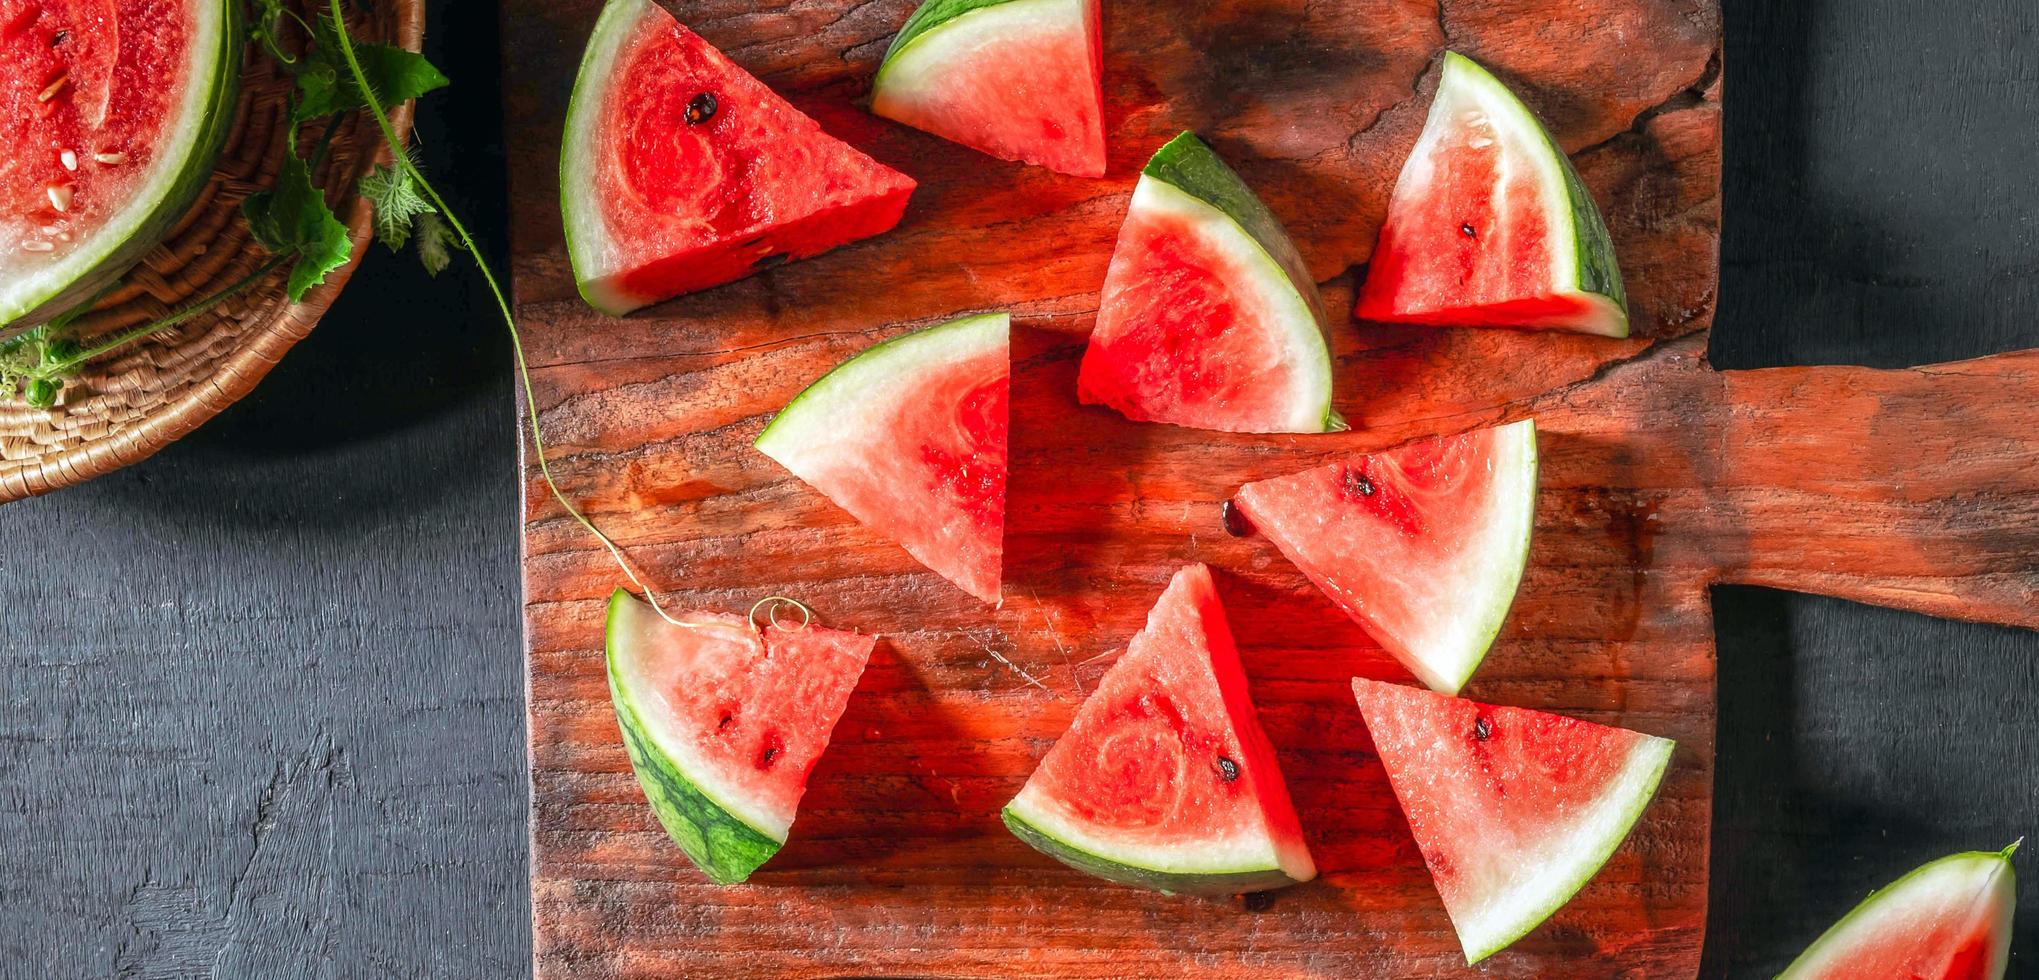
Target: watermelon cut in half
x,y
1424,546
680,171
114,114
723,722
1948,920
1018,79
1209,318
909,437
1514,810
1489,225
1165,779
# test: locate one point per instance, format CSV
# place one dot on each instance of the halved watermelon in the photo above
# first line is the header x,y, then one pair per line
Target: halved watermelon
x,y
1165,779
1514,810
1018,79
1424,546
1209,318
112,113
1490,225
724,721
909,437
1948,920
680,171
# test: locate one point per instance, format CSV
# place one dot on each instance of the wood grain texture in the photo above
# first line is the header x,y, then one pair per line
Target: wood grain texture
x,y
1661,477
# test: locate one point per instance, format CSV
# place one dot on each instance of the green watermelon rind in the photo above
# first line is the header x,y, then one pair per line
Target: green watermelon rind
x,y
722,845
1987,864
925,20
1594,273
1507,581
109,255
1546,905
1170,882
579,202
810,418
1189,165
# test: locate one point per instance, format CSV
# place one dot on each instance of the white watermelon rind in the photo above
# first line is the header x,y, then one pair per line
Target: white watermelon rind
x,y
1974,873
930,39
1189,870
1593,841
1515,526
808,432
1584,265
706,821
182,167
579,200
1187,177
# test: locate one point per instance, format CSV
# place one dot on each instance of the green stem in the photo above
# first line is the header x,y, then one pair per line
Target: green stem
x,y
403,161
58,367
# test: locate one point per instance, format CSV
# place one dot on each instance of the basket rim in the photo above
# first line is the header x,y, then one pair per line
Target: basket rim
x,y
233,375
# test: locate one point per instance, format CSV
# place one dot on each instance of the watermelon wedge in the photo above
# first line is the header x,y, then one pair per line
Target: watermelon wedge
x,y
1948,920
1209,318
1165,780
1424,546
680,171
114,113
1018,79
909,437
1514,810
723,722
1490,226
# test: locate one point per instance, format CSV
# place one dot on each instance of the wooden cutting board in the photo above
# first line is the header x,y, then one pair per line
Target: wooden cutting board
x,y
1661,477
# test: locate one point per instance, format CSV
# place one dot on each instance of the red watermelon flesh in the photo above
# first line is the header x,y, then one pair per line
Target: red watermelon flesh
x,y
680,171
910,438
1948,920
1165,778
1489,224
1208,316
1514,810
1424,546
105,124
724,721
1018,79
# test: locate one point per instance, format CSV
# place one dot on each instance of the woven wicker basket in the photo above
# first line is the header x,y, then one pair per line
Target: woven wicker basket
x,y
133,402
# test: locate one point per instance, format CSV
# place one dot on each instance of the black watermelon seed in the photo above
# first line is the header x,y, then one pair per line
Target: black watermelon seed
x,y
773,746
701,108
1357,483
59,38
1227,769
1467,230
1236,523
1482,728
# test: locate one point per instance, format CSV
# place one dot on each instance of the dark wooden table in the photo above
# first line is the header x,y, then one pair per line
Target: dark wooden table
x,y
263,694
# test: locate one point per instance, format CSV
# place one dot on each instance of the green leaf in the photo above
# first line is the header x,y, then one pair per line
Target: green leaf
x,y
326,86
293,217
394,193
435,242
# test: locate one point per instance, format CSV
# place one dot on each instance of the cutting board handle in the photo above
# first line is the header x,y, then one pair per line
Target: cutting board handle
x,y
1916,488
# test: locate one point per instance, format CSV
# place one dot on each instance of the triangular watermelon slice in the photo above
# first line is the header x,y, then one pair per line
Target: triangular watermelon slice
x,y
1514,810
723,722
1018,79
1209,318
1490,225
1948,920
1165,779
909,437
680,171
114,114
1424,546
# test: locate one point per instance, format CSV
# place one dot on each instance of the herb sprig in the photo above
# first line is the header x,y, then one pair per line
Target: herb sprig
x,y
333,75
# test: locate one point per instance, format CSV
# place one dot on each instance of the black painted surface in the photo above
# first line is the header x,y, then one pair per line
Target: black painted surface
x,y
262,703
